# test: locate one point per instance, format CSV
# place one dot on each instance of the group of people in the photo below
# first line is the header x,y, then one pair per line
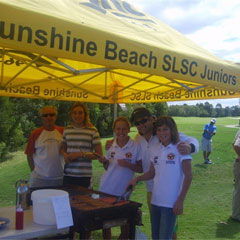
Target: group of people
x,y
58,155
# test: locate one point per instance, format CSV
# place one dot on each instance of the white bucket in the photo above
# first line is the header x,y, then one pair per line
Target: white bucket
x,y
43,212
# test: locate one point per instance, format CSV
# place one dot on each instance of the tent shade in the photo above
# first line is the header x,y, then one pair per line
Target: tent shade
x,y
106,52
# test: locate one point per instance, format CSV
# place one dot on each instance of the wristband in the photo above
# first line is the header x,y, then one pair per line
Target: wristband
x,y
192,148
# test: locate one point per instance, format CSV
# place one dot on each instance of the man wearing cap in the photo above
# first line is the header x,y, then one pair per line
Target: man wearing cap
x,y
45,162
236,172
209,130
143,120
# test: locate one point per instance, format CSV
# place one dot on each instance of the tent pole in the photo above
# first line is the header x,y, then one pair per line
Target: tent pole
x,y
115,113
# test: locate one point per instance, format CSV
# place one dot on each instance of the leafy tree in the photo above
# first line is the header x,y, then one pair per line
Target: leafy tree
x,y
11,136
235,110
208,108
103,118
159,109
63,107
174,110
193,111
219,110
227,111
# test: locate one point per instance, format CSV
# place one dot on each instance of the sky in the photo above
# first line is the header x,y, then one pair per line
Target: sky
x,y
212,24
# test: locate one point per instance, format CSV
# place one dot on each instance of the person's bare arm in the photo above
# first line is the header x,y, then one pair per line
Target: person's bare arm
x,y
237,150
108,144
144,177
97,154
187,144
63,151
187,171
70,157
98,149
184,148
30,162
137,167
102,160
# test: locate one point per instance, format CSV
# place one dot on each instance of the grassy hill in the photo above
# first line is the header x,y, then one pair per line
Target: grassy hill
x,y
208,204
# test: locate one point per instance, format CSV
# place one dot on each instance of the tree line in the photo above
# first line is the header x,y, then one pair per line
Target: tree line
x,y
203,110
19,116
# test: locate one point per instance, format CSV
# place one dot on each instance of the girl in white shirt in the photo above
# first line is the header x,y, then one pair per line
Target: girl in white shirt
x,y
122,160
172,177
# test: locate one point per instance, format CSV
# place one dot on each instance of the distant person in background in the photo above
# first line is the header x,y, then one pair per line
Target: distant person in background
x,y
236,172
208,132
44,160
80,141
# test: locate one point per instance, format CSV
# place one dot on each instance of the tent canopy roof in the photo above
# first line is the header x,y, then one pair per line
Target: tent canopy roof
x,y
103,51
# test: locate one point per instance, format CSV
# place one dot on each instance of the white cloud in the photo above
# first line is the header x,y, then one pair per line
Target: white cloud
x,y
173,14
222,38
212,24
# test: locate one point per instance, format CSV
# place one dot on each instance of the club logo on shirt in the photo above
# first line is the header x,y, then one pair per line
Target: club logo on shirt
x,y
170,158
128,155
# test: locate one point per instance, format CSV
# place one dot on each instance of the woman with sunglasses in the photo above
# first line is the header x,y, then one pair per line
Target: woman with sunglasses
x,y
42,150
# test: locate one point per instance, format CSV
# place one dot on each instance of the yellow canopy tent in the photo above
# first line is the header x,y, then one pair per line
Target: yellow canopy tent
x,y
103,51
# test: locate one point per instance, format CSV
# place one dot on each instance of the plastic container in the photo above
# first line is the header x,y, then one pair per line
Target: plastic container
x,y
43,212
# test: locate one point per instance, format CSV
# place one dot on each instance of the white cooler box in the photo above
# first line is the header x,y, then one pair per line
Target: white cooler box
x,y
43,212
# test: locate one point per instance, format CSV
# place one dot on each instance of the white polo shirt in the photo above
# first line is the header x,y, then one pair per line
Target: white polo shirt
x,y
116,178
168,174
145,150
237,139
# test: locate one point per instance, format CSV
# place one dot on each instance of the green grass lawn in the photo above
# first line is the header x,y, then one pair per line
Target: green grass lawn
x,y
208,203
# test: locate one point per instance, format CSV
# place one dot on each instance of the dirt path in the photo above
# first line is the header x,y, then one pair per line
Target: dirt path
x,y
232,126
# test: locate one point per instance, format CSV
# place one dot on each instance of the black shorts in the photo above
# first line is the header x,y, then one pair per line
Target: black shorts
x,y
79,181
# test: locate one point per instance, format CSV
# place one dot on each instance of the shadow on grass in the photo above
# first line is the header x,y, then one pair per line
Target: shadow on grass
x,y
96,235
201,165
228,229
7,157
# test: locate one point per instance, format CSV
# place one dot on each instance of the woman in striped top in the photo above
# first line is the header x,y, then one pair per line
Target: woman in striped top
x,y
80,141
